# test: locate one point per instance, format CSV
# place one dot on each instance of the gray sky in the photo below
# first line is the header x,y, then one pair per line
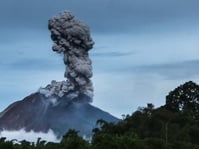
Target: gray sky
x,y
143,49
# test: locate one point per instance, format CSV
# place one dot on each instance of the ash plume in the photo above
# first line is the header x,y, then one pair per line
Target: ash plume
x,y
72,39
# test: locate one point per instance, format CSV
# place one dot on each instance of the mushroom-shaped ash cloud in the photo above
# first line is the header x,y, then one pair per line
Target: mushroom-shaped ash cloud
x,y
71,38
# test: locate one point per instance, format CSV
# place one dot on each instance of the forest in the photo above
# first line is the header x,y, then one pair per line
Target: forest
x,y
174,125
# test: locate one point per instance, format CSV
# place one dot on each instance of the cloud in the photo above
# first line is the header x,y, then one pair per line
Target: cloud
x,y
184,69
177,70
111,54
29,136
112,15
33,64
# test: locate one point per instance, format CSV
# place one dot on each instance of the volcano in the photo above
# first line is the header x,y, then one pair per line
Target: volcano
x,y
40,114
66,104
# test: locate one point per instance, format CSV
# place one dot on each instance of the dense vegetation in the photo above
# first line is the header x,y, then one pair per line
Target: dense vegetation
x,y
172,126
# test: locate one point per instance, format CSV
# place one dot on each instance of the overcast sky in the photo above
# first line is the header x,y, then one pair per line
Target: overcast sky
x,y
143,49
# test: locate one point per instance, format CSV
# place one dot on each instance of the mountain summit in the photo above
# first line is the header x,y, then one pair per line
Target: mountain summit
x,y
40,114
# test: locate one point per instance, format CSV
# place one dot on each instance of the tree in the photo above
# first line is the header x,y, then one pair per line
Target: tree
x,y
185,99
6,144
71,140
40,143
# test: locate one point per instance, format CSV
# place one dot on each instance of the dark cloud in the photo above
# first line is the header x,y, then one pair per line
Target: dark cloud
x,y
172,71
180,70
102,16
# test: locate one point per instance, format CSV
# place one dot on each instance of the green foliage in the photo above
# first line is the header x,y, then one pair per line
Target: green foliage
x,y
164,127
172,126
185,99
72,141
6,144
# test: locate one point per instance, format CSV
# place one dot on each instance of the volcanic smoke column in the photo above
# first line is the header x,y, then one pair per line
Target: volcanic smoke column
x,y
72,38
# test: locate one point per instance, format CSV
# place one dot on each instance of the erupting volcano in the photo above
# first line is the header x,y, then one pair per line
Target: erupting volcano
x,y
61,105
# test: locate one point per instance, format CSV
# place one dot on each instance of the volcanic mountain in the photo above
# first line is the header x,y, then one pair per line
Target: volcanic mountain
x,y
40,114
66,104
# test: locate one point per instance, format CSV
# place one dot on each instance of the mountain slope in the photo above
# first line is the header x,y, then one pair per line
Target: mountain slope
x,y
38,113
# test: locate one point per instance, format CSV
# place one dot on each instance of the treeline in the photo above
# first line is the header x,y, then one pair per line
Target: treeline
x,y
172,126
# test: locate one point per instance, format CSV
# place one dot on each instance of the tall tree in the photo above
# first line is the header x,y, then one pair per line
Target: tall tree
x,y
185,99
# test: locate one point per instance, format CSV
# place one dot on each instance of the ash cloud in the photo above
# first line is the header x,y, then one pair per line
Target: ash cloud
x,y
72,39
